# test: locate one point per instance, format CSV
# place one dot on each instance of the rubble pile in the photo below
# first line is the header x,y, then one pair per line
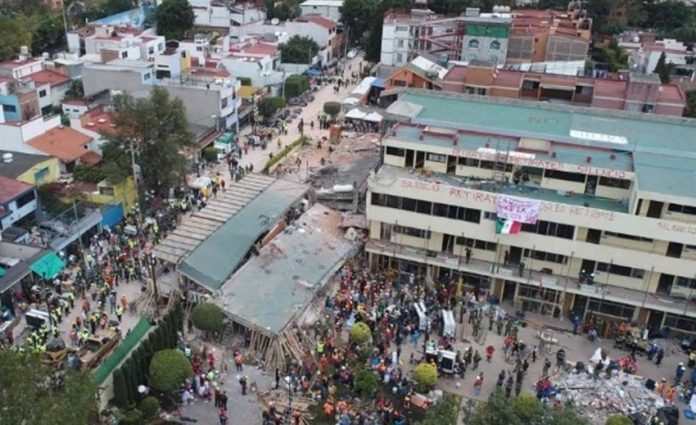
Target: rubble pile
x,y
597,400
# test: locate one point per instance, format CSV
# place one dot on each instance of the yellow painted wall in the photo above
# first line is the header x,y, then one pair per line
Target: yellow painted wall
x,y
53,166
124,192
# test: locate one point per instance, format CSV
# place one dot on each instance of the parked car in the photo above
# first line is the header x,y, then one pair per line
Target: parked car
x,y
97,347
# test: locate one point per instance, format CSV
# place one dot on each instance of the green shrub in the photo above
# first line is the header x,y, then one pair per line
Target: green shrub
x,y
425,375
295,85
360,334
365,383
528,408
245,81
285,151
209,154
168,369
270,105
619,420
149,406
332,109
132,417
207,317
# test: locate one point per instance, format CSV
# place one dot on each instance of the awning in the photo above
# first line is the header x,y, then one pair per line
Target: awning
x,y
227,138
312,72
378,82
351,101
356,114
373,117
48,266
2,272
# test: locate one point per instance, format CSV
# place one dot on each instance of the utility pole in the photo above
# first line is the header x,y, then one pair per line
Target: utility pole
x,y
136,173
152,262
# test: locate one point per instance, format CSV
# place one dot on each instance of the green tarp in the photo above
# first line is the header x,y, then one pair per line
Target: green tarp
x,y
482,30
124,348
2,272
227,138
48,266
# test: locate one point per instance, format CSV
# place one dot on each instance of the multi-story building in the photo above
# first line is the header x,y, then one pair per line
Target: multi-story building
x,y
330,9
116,42
544,39
565,210
209,95
630,92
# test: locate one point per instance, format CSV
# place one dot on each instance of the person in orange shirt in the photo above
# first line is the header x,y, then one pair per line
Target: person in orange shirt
x,y
661,387
671,393
328,409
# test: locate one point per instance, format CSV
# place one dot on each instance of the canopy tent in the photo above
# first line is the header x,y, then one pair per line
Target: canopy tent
x,y
48,266
363,87
350,101
226,138
356,114
373,117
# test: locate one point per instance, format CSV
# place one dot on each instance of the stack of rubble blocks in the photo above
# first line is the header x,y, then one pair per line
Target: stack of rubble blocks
x,y
618,393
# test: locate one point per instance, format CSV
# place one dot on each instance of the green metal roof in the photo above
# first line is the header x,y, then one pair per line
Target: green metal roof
x,y
484,30
277,285
664,146
214,260
124,347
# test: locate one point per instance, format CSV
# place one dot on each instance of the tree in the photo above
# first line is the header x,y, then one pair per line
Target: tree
x,y
662,68
565,416
76,90
286,12
168,369
13,35
619,420
373,46
332,109
156,127
298,50
174,18
528,408
453,7
112,7
690,110
360,334
120,390
295,85
425,375
444,412
365,383
33,393
49,34
149,406
207,317
613,56
270,105
356,16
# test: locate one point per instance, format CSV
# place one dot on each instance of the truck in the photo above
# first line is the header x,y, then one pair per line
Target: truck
x,y
97,347
224,145
55,353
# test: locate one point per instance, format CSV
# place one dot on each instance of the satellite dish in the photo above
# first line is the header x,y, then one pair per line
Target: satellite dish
x,y
275,21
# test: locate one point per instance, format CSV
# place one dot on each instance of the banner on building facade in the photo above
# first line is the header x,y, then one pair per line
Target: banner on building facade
x,y
516,209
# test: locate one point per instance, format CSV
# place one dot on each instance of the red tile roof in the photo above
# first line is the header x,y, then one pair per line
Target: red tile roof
x,y
64,143
671,93
261,49
11,189
98,121
90,158
47,76
12,64
510,79
320,20
609,88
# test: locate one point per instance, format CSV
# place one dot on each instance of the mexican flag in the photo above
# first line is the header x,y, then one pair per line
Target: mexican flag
x,y
506,227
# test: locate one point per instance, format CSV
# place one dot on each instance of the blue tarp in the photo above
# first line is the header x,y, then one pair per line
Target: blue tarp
x,y
312,72
111,215
378,82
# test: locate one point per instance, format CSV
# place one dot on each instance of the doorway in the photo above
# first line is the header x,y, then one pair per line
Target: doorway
x,y
509,291
579,306
655,209
409,158
674,250
593,236
588,266
451,164
655,322
591,185
515,255
420,160
664,286
447,243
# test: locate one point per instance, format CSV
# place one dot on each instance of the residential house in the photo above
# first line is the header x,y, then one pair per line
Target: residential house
x,y
330,9
29,168
423,72
95,123
14,135
21,67
53,82
224,16
116,42
17,201
630,92
68,145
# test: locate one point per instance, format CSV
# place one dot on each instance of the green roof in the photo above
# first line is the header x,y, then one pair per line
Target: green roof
x,y
124,347
277,285
664,146
214,260
483,30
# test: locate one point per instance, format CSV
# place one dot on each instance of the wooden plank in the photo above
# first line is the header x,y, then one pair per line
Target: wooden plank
x,y
203,225
188,233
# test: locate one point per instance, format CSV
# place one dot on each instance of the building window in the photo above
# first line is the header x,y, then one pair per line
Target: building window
x,y
395,151
399,83
564,175
412,231
146,76
223,103
434,157
25,199
548,228
106,191
9,108
42,93
151,50
399,57
473,44
495,45
545,256
684,209
401,29
621,270
685,281
677,321
475,243
612,182
400,43
40,175
629,237
468,162
124,54
611,308
425,207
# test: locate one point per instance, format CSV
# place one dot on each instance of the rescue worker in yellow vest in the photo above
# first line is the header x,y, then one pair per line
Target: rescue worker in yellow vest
x,y
320,347
84,334
71,299
119,313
